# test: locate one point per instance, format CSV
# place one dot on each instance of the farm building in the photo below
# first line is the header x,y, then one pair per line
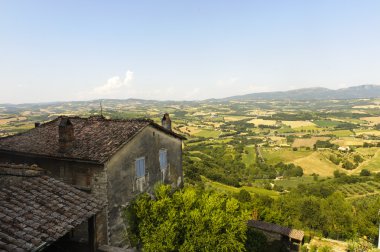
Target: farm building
x,y
344,148
288,238
39,213
113,160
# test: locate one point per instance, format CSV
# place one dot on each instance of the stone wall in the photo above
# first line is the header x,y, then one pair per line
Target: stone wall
x,y
123,184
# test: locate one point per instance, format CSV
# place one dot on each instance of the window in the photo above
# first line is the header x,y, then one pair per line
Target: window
x,y
163,159
140,167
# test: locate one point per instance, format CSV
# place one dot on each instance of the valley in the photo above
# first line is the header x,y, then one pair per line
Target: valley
x,y
282,153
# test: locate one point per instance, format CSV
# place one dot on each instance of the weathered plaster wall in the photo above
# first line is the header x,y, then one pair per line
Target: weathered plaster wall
x,y
122,175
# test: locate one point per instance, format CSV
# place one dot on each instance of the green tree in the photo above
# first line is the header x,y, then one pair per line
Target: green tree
x,y
310,212
337,216
189,220
256,241
358,159
244,196
365,172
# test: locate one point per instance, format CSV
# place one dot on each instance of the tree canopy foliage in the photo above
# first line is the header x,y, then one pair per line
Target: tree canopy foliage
x,y
187,220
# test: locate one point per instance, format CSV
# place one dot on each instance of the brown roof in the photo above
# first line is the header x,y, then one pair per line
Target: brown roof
x,y
270,227
96,138
40,210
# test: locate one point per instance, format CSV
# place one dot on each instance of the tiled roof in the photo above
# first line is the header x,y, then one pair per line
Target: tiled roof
x,y
96,138
40,210
270,227
20,170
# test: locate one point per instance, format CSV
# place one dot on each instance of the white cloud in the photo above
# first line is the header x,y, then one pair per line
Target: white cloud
x,y
114,84
257,89
227,83
193,94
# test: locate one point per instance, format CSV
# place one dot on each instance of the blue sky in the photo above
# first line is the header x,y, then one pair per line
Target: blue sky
x,y
80,50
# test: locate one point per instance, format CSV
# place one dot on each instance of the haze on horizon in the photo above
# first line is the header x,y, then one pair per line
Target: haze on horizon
x,y
183,50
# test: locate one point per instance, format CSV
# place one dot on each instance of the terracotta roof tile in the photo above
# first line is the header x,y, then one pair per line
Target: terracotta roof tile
x,y
34,218
270,227
96,138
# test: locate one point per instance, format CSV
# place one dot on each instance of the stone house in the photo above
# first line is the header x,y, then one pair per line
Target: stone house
x,y
114,160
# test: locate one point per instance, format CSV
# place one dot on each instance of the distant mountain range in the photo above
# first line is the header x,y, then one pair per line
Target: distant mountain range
x,y
318,93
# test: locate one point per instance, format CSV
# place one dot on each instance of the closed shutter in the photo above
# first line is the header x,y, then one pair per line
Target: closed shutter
x,y
163,159
140,167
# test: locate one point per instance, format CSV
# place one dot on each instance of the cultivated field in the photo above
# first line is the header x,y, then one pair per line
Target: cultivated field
x,y
372,120
235,118
298,124
263,122
318,164
308,142
285,155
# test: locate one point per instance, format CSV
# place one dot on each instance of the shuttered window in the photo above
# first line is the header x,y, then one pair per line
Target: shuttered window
x,y
140,167
163,159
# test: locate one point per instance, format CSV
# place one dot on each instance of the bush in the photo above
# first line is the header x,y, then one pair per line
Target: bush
x,y
334,159
348,165
365,172
338,174
325,249
244,196
358,159
313,248
187,220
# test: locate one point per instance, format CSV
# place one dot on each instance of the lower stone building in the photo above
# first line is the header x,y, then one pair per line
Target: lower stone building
x,y
113,160
279,238
39,213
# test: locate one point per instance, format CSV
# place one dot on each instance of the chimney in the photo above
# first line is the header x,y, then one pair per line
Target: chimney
x,y
65,134
37,124
166,122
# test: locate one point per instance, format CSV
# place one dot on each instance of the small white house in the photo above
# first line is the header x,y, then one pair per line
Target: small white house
x,y
344,148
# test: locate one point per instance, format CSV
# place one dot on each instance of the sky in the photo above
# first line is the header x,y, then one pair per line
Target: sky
x,y
183,50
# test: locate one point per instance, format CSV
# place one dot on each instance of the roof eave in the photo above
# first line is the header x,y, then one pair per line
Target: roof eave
x,y
98,162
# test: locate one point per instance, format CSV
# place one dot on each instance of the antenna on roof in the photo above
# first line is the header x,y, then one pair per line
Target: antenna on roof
x,y
101,109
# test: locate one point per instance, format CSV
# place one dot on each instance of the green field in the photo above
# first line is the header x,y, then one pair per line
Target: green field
x,y
306,128
230,189
342,133
285,155
319,164
372,165
289,183
326,123
360,189
250,158
208,133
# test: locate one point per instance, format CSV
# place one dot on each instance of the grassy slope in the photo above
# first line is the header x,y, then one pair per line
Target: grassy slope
x,y
372,164
294,182
250,158
317,163
285,155
230,189
207,133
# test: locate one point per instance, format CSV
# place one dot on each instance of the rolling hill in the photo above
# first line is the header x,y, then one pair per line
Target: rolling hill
x,y
318,93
